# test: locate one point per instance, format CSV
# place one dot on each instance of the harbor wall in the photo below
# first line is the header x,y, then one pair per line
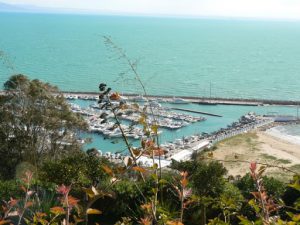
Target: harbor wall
x,y
196,99
200,100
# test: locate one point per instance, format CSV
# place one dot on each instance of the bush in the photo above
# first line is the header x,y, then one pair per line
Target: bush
x,y
10,188
79,169
275,188
206,178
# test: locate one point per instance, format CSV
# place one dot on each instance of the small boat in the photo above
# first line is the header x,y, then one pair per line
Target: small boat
x,y
179,101
153,104
139,98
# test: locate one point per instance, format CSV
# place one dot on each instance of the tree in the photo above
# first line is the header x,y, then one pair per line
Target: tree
x,y
207,181
36,124
274,188
206,178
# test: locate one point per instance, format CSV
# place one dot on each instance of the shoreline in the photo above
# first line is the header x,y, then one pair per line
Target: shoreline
x,y
277,132
260,146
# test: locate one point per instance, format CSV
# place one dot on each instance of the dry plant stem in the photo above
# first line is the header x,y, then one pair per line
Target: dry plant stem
x,y
68,209
53,219
140,191
125,139
25,202
181,205
133,69
154,204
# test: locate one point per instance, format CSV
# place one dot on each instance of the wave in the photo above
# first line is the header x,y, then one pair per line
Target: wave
x,y
290,133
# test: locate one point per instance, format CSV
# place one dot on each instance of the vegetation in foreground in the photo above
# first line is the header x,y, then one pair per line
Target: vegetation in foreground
x,y
47,179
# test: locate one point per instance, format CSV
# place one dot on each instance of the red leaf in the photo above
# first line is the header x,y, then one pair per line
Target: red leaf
x,y
64,190
57,210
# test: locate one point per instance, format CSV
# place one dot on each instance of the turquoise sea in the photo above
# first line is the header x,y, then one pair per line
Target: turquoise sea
x,y
250,59
240,59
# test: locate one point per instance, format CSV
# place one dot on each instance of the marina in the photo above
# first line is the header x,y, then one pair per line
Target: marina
x,y
180,133
168,120
183,149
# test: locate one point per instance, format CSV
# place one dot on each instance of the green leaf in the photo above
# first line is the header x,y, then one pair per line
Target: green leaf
x,y
154,190
154,128
254,205
244,221
163,181
154,176
295,185
155,166
93,211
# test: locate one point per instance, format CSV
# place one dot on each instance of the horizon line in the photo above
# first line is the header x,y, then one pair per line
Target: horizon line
x,y
61,11
34,9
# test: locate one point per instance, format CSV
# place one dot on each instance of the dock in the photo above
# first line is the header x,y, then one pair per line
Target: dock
x,y
195,111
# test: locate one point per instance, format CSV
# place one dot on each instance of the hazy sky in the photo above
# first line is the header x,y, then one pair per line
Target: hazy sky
x,y
288,9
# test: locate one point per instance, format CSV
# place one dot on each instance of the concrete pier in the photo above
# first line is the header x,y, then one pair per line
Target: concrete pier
x,y
194,111
199,100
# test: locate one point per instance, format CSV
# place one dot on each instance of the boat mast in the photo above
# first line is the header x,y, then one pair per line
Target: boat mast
x,y
210,91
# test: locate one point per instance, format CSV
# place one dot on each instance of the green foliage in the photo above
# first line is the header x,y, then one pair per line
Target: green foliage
x,y
206,178
9,188
125,201
36,124
230,201
274,187
217,221
79,169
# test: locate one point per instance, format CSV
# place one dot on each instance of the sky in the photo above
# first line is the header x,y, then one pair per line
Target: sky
x,y
273,9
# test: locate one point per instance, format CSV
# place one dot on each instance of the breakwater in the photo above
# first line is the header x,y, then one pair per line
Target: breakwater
x,y
194,111
205,100
197,99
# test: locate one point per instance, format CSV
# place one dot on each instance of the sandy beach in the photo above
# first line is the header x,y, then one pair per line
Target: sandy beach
x,y
262,147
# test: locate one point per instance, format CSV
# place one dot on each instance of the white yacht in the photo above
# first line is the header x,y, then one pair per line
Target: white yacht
x,y
179,101
139,98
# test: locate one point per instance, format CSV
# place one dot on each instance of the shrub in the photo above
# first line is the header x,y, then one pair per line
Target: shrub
x,y
79,169
275,188
9,188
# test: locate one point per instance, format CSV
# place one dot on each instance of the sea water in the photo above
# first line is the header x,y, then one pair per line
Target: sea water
x,y
290,133
240,59
190,57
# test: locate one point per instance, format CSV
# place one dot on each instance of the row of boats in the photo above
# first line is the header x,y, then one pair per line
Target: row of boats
x,y
134,98
162,117
247,122
191,143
